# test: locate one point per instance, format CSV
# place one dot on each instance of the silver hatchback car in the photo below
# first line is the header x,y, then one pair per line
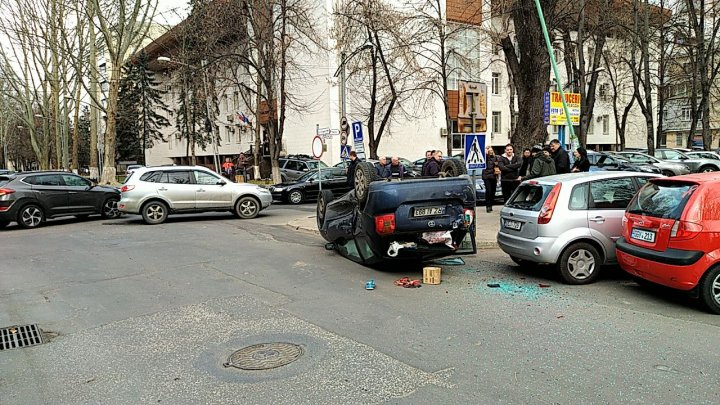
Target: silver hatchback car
x,y
156,192
569,220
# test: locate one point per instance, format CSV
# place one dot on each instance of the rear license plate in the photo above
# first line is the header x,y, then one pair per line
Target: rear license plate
x,y
428,211
514,225
643,235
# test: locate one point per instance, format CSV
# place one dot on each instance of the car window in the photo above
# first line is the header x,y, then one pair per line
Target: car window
x,y
4,180
206,178
579,197
349,249
293,165
313,164
664,200
611,193
75,181
151,177
671,154
529,196
45,180
281,163
642,180
176,177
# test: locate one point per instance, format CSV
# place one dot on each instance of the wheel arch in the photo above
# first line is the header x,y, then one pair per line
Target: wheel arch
x,y
253,196
155,198
592,242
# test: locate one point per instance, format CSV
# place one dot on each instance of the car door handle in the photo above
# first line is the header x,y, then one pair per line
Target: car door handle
x,y
162,189
598,219
200,190
72,192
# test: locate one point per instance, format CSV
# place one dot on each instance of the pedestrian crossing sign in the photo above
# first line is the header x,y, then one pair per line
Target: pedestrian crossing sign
x,y
344,152
475,151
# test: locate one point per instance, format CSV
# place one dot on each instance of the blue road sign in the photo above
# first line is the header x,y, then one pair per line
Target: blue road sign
x,y
475,151
344,152
546,108
358,145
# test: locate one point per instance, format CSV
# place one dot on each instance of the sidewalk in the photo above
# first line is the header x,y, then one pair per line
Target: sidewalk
x,y
487,226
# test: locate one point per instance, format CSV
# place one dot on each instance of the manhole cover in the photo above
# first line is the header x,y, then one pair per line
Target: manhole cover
x,y
264,356
15,337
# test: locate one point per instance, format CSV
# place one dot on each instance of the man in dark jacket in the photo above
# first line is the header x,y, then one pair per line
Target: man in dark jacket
x,y
351,168
381,168
396,169
560,157
434,165
428,157
542,166
509,164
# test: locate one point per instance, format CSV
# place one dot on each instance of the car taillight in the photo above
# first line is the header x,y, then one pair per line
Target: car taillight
x,y
548,207
126,188
385,224
469,217
683,230
6,191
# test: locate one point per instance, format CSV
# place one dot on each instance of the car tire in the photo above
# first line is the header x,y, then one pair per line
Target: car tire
x,y
295,197
668,173
452,168
708,169
247,208
154,212
579,264
30,216
325,197
364,175
710,289
110,208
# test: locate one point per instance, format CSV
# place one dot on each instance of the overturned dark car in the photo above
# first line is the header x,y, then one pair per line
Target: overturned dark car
x,y
413,220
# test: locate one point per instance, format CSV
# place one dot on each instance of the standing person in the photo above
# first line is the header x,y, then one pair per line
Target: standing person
x,y
527,160
542,165
509,164
351,168
396,169
228,169
560,157
428,157
381,168
582,163
489,176
433,167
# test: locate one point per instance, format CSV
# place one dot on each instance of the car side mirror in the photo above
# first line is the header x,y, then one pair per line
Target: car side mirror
x,y
330,246
220,183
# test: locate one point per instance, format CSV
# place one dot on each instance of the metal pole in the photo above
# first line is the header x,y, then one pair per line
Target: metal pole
x,y
208,105
472,116
317,132
553,63
343,90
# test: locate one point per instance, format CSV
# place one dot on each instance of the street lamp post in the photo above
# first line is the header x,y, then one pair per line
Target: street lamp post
x,y
208,104
341,71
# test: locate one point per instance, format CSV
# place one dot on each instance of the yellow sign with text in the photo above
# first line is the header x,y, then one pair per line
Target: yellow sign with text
x,y
557,113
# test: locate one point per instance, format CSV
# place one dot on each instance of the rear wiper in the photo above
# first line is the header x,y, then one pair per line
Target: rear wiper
x,y
636,211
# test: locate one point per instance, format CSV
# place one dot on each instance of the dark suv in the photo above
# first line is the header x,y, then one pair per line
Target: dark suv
x,y
295,166
32,197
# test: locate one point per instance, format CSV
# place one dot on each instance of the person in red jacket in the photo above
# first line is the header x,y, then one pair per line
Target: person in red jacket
x,y
228,169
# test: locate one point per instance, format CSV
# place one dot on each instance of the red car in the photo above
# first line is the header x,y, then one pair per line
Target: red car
x,y
671,235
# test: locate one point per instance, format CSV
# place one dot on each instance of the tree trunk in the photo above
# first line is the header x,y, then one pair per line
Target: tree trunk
x,y
109,171
92,54
76,132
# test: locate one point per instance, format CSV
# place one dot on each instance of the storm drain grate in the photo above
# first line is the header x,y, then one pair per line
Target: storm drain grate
x,y
16,337
264,356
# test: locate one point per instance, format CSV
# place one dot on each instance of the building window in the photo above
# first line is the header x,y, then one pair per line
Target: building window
x,y
225,102
495,83
557,53
555,129
686,114
665,115
496,122
606,124
236,101
603,92
457,141
678,140
496,49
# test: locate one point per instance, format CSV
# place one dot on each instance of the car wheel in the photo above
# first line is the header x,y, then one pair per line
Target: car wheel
x,y
247,208
707,169
579,264
364,175
710,289
154,212
295,197
325,197
452,168
668,173
110,208
30,216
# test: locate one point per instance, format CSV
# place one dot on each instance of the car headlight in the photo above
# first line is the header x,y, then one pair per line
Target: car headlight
x,y
278,189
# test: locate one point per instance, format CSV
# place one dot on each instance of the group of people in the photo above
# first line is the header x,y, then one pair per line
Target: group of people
x,y
433,163
230,169
538,161
396,170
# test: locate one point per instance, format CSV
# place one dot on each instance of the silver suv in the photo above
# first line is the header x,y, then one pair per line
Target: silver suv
x,y
156,192
569,220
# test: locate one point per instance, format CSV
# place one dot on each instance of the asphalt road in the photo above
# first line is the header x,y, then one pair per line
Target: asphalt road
x,y
148,314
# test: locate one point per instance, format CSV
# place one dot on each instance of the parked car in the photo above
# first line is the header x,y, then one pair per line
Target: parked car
x,y
307,187
604,161
132,168
411,219
696,165
480,188
670,235
704,155
667,168
295,166
156,192
6,171
569,220
30,198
